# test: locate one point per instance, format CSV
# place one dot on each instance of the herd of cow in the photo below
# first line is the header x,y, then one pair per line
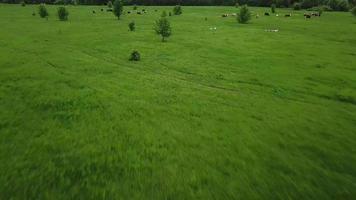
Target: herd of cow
x,y
306,15
128,12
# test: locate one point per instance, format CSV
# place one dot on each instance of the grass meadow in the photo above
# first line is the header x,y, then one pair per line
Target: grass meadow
x,y
231,113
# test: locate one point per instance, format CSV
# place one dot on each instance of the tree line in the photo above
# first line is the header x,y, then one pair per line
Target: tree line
x,y
278,3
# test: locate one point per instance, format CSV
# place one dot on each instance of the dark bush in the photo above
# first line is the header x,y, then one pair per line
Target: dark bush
x,y
135,56
244,15
353,11
134,7
273,8
170,14
297,6
42,11
132,26
118,8
62,13
177,10
23,4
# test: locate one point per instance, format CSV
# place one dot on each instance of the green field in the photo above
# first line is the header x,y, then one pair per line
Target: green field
x,y
235,113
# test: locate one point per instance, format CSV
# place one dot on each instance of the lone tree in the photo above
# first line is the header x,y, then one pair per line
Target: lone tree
x,y
118,8
42,11
163,28
62,13
177,10
244,16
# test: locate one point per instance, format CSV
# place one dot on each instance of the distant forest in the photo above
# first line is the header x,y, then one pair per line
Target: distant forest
x,y
279,3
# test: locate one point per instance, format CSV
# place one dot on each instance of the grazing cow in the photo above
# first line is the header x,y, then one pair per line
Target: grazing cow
x,y
128,12
233,14
315,14
143,10
307,16
139,13
288,15
109,10
94,12
266,14
224,15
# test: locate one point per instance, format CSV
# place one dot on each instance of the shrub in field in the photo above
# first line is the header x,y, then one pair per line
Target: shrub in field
x,y
62,13
118,8
132,26
109,4
244,15
273,8
23,4
42,11
164,14
163,28
177,10
339,5
134,7
170,14
297,6
135,56
353,11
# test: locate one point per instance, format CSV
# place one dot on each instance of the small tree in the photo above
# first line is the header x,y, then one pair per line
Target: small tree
x,y
62,13
177,10
164,14
109,4
163,28
118,8
353,11
244,16
273,8
134,7
132,26
42,11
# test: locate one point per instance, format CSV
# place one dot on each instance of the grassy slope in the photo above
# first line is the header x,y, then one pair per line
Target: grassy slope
x,y
239,113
